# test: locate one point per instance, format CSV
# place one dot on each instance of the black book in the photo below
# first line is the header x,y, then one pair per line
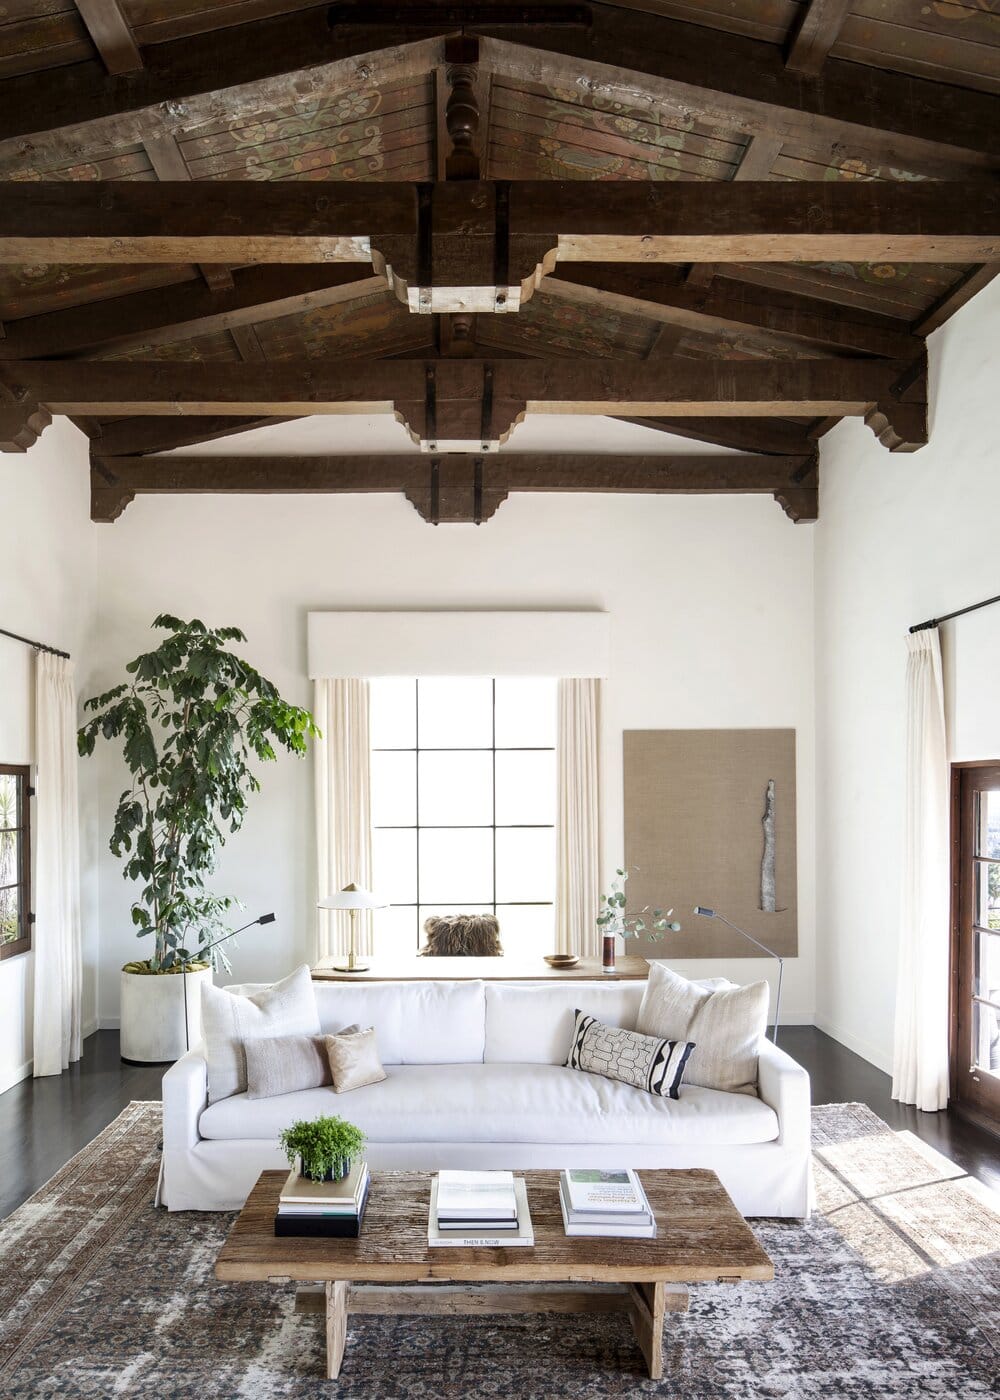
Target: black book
x,y
345,1227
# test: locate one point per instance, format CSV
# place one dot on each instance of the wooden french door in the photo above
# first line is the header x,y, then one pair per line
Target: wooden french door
x,y
975,1021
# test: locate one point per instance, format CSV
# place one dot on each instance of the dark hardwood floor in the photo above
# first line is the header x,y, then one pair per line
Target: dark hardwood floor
x,y
43,1122
840,1076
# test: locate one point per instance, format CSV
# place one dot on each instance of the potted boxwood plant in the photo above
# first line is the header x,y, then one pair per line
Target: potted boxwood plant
x,y
192,718
323,1147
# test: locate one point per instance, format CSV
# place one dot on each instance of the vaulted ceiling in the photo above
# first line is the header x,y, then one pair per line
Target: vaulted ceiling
x,y
752,317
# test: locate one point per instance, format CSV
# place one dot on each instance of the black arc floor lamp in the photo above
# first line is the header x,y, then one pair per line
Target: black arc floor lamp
x,y
260,919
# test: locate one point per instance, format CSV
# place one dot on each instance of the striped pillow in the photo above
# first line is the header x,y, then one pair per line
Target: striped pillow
x,y
640,1060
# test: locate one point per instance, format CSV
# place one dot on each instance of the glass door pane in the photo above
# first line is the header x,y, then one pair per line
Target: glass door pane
x,y
976,944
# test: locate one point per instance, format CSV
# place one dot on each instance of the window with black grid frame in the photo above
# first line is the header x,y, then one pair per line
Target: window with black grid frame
x,y
15,860
463,776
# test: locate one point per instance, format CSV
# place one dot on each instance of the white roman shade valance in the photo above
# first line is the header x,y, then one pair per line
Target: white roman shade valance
x,y
561,644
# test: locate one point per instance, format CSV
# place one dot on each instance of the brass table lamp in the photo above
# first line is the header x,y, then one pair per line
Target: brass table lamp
x,y
352,897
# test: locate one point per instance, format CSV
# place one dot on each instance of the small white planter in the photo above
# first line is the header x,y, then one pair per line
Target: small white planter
x,y
153,1029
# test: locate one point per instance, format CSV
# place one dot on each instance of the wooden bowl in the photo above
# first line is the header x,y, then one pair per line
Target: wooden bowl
x,y
562,959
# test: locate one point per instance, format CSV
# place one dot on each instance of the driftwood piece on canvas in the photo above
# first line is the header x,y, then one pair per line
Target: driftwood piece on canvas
x,y
767,862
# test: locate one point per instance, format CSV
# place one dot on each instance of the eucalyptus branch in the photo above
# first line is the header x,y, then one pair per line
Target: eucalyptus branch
x,y
648,923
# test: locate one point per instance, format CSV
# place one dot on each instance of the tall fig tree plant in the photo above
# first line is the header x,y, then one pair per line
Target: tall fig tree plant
x,y
193,718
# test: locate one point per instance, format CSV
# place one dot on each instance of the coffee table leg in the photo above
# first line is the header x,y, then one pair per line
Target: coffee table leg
x,y
647,1304
336,1326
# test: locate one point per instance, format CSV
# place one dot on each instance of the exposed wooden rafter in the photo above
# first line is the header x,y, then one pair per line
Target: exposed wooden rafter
x,y
455,487
168,163
109,29
185,310
816,33
473,403
643,60
731,305
637,57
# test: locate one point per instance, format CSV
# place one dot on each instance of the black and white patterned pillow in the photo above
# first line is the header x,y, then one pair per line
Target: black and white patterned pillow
x,y
640,1060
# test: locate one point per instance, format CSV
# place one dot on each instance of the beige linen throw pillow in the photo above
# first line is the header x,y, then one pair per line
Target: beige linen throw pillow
x,y
228,1020
726,1026
284,1064
354,1059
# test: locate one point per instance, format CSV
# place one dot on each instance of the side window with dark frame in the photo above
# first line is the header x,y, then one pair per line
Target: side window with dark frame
x,y
15,860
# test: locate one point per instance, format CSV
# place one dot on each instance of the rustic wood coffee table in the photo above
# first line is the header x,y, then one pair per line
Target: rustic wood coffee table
x,y
391,1269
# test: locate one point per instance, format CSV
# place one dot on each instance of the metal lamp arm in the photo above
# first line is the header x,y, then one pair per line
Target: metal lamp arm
x,y
771,953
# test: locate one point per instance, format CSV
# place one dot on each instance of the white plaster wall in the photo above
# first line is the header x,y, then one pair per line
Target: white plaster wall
x,y
711,616
901,538
47,592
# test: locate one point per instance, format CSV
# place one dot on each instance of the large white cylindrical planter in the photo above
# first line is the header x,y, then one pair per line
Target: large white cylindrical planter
x,y
153,1024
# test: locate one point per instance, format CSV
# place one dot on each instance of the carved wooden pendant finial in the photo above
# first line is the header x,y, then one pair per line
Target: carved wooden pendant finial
x,y
461,113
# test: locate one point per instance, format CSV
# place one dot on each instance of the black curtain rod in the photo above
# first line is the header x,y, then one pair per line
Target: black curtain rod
x,y
39,646
959,612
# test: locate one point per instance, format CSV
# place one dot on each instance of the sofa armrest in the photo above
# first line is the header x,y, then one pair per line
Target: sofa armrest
x,y
784,1086
185,1096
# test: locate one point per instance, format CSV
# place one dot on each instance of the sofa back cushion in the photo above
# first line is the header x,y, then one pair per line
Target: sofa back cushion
x,y
532,1024
417,1023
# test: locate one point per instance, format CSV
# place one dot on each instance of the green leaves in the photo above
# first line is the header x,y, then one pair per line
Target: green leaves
x,y
613,918
193,720
322,1144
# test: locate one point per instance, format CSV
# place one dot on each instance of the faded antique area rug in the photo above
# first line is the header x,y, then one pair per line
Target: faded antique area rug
x,y
891,1290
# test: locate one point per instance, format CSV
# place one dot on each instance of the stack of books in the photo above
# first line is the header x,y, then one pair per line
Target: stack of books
x,y
611,1203
330,1208
479,1209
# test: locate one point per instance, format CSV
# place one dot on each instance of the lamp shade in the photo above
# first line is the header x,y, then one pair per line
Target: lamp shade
x,y
352,897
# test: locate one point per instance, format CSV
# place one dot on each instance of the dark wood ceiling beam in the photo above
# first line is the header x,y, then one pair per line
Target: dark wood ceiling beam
x,y
248,346
168,164
758,158
756,162
639,59
246,222
459,478
128,437
962,291
624,55
224,74
111,35
442,400
770,435
732,305
186,310
815,34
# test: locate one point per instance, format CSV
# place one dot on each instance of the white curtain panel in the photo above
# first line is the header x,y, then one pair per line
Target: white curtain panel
x,y
343,810
578,830
920,1058
56,940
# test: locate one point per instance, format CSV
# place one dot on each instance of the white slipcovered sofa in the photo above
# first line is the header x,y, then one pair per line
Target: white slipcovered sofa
x,y
477,1078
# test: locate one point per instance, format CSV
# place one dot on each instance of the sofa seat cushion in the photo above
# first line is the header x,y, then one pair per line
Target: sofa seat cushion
x,y
505,1103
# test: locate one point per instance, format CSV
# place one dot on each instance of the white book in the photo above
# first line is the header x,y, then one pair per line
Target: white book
x,y
607,1190
634,1220
624,1229
476,1195
481,1239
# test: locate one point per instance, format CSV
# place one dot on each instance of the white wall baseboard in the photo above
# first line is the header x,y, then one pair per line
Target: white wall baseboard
x,y
864,1048
14,1076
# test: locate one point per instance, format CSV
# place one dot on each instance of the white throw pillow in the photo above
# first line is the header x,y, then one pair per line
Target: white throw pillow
x,y
228,1019
726,1026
